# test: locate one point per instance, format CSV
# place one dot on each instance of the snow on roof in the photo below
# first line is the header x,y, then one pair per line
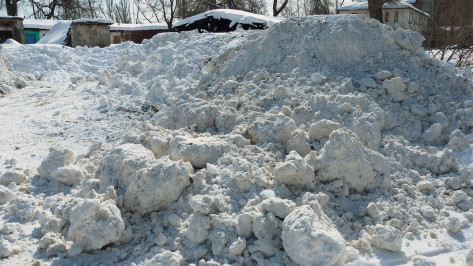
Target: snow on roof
x,y
355,6
57,34
125,27
94,20
236,16
42,24
363,5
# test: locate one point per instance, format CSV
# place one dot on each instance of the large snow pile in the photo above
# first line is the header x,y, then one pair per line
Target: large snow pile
x,y
9,79
322,141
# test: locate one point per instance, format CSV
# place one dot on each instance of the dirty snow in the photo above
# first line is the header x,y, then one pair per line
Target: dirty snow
x,y
308,143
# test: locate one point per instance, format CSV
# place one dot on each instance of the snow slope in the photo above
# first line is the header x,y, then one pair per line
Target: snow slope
x,y
308,143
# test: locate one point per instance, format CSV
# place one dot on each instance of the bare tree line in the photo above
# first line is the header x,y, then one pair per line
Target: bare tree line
x,y
151,11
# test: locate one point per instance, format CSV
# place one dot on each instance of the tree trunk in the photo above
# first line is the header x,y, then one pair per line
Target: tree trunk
x,y
277,10
12,7
375,9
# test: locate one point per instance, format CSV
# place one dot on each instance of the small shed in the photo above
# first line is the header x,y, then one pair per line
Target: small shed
x,y
11,27
225,20
135,32
35,29
396,13
90,32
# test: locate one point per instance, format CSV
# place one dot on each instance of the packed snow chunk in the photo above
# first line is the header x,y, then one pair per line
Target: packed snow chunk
x,y
432,135
53,243
317,78
198,230
156,187
420,260
469,257
452,224
71,174
189,112
322,129
56,158
425,185
459,196
6,248
344,157
119,166
201,203
382,75
270,128
199,150
23,206
387,237
280,207
12,176
95,224
298,142
311,239
295,171
166,257
158,142
237,247
427,211
5,194
395,87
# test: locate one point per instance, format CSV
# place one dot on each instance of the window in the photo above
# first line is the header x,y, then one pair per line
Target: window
x,y
386,16
411,17
396,16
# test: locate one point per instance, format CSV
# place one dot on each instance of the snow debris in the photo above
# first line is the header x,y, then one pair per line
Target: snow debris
x,y
56,159
198,151
295,171
322,129
15,176
156,187
241,148
387,237
395,87
53,243
344,157
420,260
469,257
95,224
165,257
309,238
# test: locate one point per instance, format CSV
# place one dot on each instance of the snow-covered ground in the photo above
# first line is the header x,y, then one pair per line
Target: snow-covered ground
x,y
324,140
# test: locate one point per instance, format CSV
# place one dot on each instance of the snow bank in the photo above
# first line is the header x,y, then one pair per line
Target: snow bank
x,y
9,80
308,143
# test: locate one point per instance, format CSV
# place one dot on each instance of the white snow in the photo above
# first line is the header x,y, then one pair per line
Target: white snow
x,y
57,33
129,27
94,20
323,140
41,24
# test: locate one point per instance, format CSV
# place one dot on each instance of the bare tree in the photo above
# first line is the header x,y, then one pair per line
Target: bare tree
x,y
449,33
277,10
117,11
12,7
375,9
157,10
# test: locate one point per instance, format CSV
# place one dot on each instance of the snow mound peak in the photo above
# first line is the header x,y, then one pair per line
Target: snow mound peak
x,y
332,41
